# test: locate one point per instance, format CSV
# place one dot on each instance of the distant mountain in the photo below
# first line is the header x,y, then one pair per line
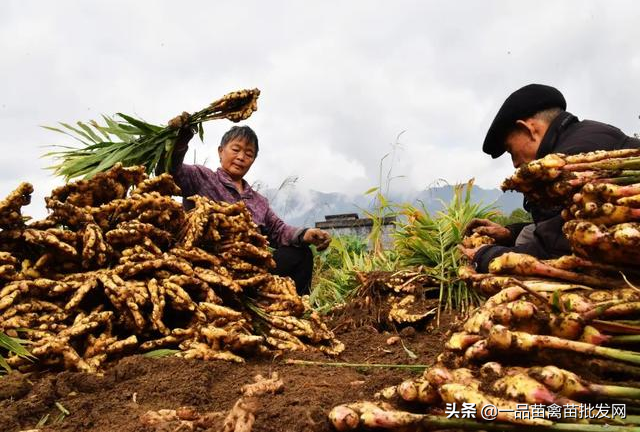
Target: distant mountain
x,y
301,207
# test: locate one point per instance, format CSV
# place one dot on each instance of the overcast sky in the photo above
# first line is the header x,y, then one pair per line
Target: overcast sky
x,y
339,79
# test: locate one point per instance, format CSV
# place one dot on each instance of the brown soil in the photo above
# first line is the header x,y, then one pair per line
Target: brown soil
x,y
115,400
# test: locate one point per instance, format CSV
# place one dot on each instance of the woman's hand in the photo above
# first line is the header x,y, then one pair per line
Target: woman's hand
x,y
178,122
491,229
317,237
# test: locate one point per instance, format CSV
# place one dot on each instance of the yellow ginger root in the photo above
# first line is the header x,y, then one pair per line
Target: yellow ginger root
x,y
241,417
616,245
238,265
90,283
163,184
399,312
157,298
262,385
176,265
196,223
418,390
59,347
68,214
527,265
333,348
284,340
136,254
64,235
198,289
144,248
236,106
177,336
95,251
98,345
295,326
10,215
178,297
476,240
598,155
248,250
48,240
121,345
545,169
8,272
522,388
32,306
101,188
10,292
181,419
216,278
197,256
133,232
199,350
146,281
254,281
6,258
461,393
214,311
243,342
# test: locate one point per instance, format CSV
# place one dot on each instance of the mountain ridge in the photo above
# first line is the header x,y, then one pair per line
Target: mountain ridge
x,y
305,207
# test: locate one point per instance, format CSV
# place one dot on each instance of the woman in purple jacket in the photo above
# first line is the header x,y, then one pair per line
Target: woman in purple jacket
x,y
237,151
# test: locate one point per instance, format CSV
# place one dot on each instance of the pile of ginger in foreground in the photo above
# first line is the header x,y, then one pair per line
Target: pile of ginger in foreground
x,y
119,267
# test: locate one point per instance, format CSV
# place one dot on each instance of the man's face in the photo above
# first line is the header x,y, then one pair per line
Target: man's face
x,y
236,157
522,145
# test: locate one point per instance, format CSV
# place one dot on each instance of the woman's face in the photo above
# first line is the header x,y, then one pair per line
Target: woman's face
x,y
236,157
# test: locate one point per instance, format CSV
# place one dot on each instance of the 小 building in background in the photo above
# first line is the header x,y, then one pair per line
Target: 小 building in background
x,y
349,224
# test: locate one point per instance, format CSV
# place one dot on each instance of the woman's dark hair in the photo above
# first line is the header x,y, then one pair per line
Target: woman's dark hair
x,y
240,132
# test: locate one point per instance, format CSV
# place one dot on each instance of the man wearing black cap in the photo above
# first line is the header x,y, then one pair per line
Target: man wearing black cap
x,y
531,124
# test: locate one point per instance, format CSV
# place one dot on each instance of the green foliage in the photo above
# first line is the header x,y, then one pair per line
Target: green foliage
x,y
421,240
431,241
43,421
132,141
516,216
382,208
64,412
12,346
340,245
161,352
336,270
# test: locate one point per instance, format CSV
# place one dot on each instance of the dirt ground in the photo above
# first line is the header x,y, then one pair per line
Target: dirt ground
x,y
115,400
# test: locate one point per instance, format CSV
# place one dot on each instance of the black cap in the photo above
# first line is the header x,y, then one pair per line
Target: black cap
x,y
521,104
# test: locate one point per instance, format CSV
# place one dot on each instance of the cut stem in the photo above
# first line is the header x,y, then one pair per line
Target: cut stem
x,y
613,391
632,163
619,327
624,339
502,338
608,367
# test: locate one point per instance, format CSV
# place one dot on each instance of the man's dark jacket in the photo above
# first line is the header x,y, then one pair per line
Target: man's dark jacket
x,y
568,135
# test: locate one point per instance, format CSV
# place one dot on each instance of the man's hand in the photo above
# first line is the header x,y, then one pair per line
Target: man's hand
x,y
317,237
491,229
469,252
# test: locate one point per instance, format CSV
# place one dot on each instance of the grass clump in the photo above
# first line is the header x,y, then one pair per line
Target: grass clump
x,y
12,346
336,272
431,241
